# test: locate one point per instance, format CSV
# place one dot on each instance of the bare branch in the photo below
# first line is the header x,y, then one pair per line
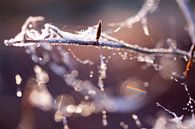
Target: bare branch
x,y
149,6
85,38
108,44
191,31
189,21
28,36
188,17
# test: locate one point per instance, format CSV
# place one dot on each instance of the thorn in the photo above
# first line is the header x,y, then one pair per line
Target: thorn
x,y
188,67
190,61
98,32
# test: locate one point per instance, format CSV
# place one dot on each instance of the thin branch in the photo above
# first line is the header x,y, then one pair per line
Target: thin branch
x,y
50,34
149,6
187,13
105,44
191,31
188,17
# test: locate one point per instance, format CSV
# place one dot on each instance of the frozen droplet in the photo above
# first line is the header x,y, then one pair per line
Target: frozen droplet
x,y
19,93
145,26
117,29
66,126
124,125
146,59
146,84
41,98
103,112
104,122
185,58
92,92
41,75
18,79
104,118
136,119
78,109
71,108
86,97
102,73
58,116
87,61
91,74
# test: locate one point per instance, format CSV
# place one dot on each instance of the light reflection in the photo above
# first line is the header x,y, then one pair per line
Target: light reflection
x,y
58,116
41,98
18,79
65,104
19,93
168,66
87,109
71,108
132,88
41,76
63,101
137,121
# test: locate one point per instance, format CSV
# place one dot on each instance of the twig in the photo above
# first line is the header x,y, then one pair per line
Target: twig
x,y
188,17
106,44
148,7
92,37
50,34
191,31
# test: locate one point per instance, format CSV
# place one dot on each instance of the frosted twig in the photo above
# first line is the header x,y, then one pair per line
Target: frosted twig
x,y
149,6
108,44
191,31
105,44
176,119
188,17
52,35
87,61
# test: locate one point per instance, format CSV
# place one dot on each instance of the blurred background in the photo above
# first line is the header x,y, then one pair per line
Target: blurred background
x,y
74,15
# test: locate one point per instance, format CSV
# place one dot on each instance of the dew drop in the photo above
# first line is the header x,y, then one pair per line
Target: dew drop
x,y
91,74
19,93
18,79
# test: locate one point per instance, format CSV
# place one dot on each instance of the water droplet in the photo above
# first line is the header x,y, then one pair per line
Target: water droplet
x,y
91,74
18,79
19,93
